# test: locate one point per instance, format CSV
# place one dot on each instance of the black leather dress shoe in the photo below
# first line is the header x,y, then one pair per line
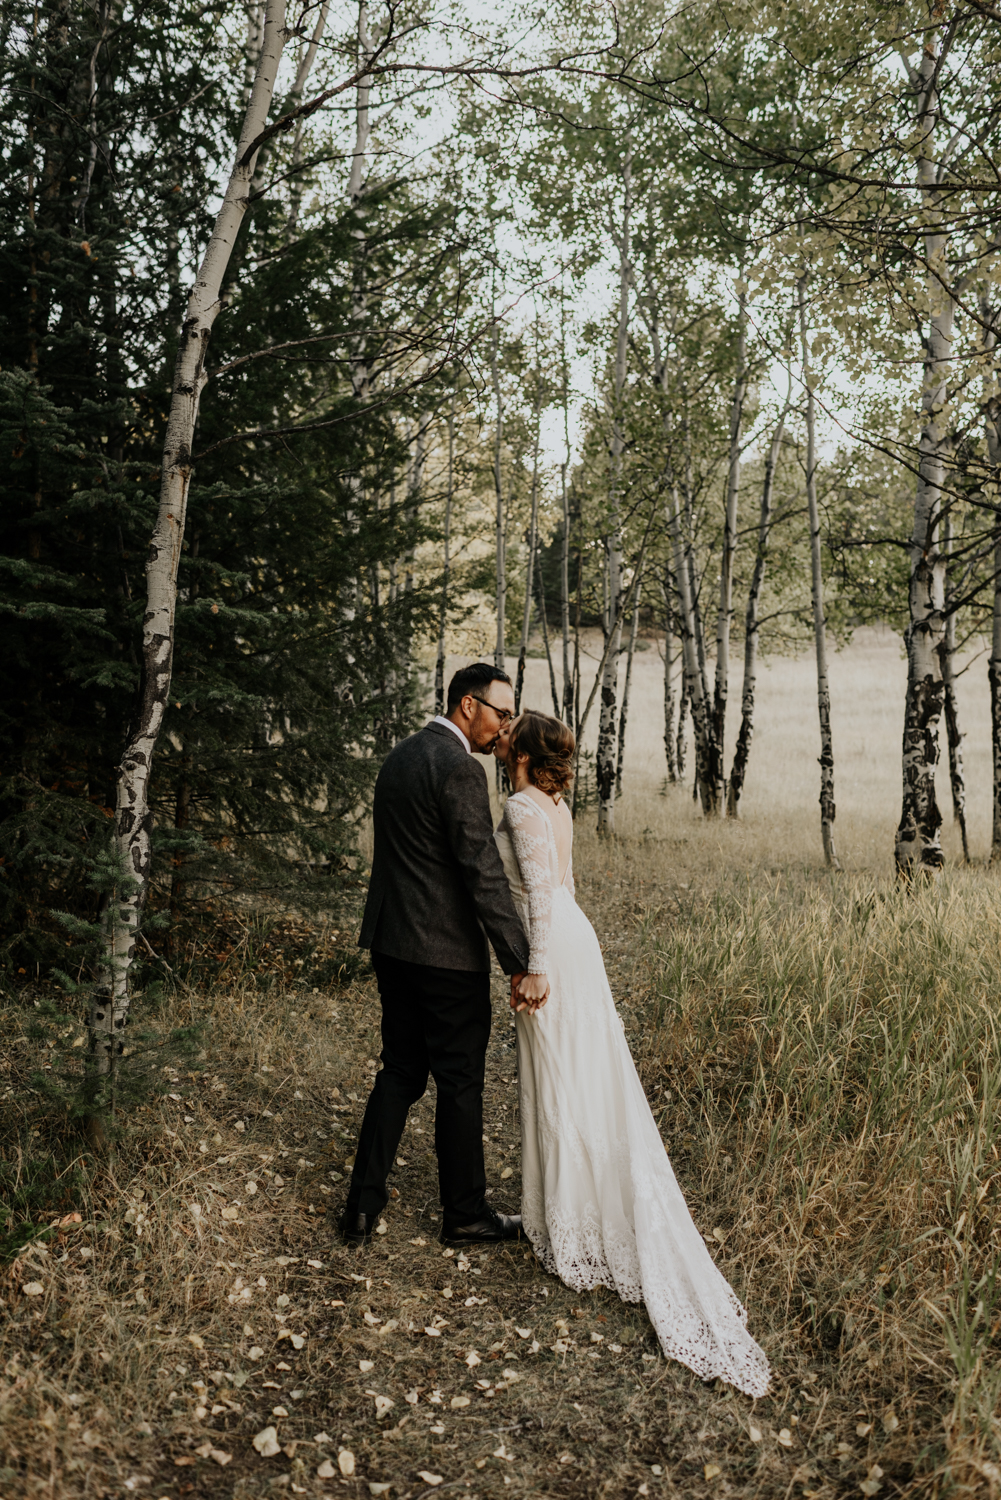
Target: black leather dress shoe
x,y
490,1229
357,1228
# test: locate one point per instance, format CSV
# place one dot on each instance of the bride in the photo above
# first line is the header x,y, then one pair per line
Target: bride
x,y
600,1201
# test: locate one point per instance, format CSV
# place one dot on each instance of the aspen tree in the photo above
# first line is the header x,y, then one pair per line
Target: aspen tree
x,y
724,615
605,758
992,433
624,711
918,846
133,822
670,743
735,785
439,666
827,807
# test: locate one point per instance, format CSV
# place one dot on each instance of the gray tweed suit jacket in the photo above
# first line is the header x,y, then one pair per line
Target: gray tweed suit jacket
x,y
438,888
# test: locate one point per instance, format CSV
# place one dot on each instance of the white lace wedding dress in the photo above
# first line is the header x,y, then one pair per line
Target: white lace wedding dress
x,y
600,1201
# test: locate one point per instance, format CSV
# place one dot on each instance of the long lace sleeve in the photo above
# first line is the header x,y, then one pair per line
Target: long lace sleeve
x,y
530,835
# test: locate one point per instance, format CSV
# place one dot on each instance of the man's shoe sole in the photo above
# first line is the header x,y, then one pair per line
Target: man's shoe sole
x,y
479,1239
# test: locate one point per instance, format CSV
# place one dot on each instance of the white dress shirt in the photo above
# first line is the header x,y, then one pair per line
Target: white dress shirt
x,y
450,724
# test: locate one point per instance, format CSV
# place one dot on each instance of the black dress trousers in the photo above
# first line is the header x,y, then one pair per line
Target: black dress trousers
x,y
434,1022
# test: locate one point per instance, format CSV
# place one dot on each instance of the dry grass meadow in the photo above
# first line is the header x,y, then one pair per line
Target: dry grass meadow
x,y
824,1059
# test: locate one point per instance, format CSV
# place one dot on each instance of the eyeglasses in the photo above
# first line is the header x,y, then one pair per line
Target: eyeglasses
x,y
503,714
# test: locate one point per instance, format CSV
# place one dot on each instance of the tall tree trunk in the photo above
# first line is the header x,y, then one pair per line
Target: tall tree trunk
x,y
500,519
133,821
680,741
706,761
307,56
541,605
724,614
568,678
439,666
532,539
918,845
954,736
992,430
624,711
670,750
739,769
827,807
605,758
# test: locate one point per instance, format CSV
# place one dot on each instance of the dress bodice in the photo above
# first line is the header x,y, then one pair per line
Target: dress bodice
x,y
534,873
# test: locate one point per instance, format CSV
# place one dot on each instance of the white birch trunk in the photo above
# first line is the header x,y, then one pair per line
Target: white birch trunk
x,y
533,536
992,430
605,757
918,847
724,614
568,676
670,752
954,736
626,686
707,787
738,771
827,807
439,666
500,514
132,829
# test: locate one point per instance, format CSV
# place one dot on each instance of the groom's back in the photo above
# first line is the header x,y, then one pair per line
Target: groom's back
x,y
432,818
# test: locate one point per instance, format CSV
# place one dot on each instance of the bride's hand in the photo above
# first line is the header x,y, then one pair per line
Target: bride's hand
x,y
530,992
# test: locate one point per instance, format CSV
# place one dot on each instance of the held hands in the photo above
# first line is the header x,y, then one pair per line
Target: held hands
x,y
529,992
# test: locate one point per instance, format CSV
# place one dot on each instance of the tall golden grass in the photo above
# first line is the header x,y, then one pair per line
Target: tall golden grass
x,y
822,1055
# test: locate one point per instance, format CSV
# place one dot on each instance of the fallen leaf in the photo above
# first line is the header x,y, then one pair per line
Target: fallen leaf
x,y
219,1456
523,1333
256,1353
230,1214
890,1420
33,1289
785,1438
433,1333
326,1470
316,1264
365,1365
183,1463
429,1478
458,1402
279,1411
712,1470
298,1340
197,1340
322,1437
507,1172
863,1429
754,1433
346,1462
266,1442
370,1317
473,1359
374,1488
719,1236
382,1227
383,1404
418,1241
411,1398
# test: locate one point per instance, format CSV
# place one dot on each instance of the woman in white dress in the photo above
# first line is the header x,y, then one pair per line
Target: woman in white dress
x,y
600,1203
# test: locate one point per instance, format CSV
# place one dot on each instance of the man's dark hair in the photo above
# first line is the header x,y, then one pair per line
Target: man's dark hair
x,y
473,679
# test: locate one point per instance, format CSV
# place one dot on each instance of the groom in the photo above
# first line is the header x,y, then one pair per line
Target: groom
x,y
437,892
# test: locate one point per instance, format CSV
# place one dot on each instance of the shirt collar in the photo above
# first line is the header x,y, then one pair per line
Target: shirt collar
x,y
450,724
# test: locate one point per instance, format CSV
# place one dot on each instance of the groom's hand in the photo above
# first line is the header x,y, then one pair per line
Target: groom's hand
x,y
516,1002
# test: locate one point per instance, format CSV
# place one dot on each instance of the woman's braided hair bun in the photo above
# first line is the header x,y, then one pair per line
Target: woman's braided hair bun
x,y
549,745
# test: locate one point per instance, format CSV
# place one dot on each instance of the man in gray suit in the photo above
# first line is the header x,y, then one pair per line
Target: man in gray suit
x,y
437,893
